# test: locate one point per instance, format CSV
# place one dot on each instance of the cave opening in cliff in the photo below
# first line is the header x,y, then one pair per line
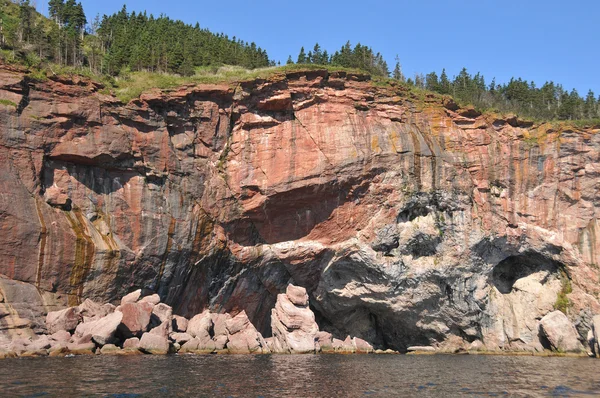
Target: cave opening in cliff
x,y
513,268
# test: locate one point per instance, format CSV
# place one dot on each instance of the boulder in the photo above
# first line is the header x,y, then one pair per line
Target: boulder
x,y
220,324
243,336
162,313
343,346
43,342
102,330
133,342
293,323
110,349
161,330
180,323
560,332
220,334
180,338
62,336
325,341
136,318
154,344
220,342
93,310
65,320
190,346
84,339
361,346
131,297
153,299
206,345
198,345
200,325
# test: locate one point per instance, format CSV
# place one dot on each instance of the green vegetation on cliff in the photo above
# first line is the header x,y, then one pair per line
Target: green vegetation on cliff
x,y
122,41
133,52
551,101
359,57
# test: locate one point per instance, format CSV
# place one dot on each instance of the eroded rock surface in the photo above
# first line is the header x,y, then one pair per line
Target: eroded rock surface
x,y
293,323
408,221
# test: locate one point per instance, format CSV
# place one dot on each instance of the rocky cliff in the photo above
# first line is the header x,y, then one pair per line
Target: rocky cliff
x,y
409,220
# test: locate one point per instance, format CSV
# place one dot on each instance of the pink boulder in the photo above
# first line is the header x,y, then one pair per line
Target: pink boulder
x,y
136,318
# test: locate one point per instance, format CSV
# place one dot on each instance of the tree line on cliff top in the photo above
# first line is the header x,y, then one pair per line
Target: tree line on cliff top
x,y
550,101
125,41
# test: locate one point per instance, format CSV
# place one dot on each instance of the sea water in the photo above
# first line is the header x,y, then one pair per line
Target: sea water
x,y
300,376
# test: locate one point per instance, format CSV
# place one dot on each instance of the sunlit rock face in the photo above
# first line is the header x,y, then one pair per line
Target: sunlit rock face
x,y
409,221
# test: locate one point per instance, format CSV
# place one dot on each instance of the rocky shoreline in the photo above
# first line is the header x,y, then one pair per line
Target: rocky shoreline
x,y
144,325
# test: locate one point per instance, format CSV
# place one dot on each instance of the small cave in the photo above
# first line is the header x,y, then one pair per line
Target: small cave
x,y
513,268
422,204
359,322
413,211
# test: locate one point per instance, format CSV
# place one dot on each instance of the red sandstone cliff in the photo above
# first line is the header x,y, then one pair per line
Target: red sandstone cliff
x,y
409,221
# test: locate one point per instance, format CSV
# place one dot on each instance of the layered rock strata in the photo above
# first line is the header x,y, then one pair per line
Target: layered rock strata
x,y
409,221
293,323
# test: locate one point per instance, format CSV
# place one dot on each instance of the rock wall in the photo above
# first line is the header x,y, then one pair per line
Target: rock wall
x,y
410,221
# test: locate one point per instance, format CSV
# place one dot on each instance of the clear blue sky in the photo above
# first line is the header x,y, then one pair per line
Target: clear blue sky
x,y
537,40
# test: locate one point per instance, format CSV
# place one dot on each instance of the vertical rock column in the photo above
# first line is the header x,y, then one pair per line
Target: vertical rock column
x,y
293,323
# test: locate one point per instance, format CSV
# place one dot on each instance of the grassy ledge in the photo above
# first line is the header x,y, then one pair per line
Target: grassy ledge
x,y
130,85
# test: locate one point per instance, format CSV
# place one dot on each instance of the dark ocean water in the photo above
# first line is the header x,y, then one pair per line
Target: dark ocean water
x,y
300,376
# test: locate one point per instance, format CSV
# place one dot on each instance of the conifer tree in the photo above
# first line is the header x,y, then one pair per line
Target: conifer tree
x,y
397,74
590,108
444,86
302,57
431,82
317,55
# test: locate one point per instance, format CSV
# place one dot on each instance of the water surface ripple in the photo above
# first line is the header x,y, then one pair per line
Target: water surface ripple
x,y
300,376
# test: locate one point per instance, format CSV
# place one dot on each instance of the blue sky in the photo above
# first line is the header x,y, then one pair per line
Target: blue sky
x,y
537,40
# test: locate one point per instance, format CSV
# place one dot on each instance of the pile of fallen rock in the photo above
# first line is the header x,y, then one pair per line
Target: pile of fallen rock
x,y
144,325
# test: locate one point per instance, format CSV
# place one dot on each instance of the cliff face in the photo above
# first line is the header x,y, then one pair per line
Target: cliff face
x,y
409,221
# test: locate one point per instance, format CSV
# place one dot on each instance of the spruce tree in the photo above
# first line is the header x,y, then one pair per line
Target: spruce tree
x,y
431,82
445,86
302,57
590,105
317,55
397,74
